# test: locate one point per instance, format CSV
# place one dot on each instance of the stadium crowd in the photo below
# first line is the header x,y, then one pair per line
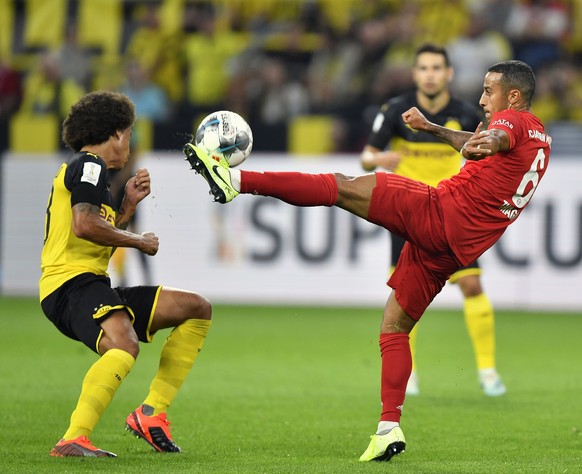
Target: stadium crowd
x,y
274,61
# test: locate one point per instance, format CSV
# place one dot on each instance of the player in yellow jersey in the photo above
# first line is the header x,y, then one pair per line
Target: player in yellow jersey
x,y
82,230
394,146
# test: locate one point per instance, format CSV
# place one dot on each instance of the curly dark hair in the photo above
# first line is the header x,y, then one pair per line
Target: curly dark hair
x,y
96,117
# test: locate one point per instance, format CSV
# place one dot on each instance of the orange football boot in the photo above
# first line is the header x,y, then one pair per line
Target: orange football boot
x,y
154,429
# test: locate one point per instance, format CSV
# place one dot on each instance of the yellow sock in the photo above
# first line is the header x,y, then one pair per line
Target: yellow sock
x,y
100,384
178,355
480,322
412,340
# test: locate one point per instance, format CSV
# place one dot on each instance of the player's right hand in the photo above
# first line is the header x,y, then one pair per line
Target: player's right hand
x,y
477,147
149,243
415,119
388,160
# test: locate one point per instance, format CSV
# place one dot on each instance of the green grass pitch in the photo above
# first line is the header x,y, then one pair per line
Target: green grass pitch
x,y
296,390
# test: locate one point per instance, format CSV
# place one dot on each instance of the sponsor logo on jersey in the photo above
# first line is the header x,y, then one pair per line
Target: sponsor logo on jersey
x,y
503,123
434,151
107,213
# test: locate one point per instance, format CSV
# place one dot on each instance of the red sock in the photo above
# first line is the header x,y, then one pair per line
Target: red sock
x,y
396,368
299,189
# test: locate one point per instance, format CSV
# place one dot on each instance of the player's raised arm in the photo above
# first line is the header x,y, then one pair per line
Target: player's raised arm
x,y
137,188
87,224
416,120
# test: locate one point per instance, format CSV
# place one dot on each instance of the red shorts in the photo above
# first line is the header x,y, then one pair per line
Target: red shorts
x,y
412,210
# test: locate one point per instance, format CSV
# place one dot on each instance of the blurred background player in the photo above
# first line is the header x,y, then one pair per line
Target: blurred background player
x,y
394,146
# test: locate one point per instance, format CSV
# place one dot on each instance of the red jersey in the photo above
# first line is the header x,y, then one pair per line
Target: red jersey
x,y
486,196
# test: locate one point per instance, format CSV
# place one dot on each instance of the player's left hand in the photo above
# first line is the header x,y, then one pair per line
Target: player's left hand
x,y
478,146
138,186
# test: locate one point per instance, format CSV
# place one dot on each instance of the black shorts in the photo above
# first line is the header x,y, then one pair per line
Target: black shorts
x,y
397,243
79,306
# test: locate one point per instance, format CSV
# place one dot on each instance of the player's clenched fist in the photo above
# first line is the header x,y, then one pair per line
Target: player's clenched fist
x,y
415,119
150,243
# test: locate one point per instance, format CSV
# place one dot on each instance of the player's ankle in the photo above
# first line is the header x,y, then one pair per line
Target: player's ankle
x,y
235,176
385,426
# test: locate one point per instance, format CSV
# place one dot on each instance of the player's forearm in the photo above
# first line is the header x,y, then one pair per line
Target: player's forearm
x,y
124,215
109,236
455,138
88,225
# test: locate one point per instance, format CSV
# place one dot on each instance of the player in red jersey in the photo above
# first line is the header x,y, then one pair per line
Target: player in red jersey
x,y
446,227
392,145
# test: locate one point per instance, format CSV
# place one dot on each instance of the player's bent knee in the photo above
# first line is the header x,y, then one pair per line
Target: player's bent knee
x,y
118,333
202,308
127,344
470,286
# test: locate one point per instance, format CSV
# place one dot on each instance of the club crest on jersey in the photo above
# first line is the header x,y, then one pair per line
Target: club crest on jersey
x,y
453,124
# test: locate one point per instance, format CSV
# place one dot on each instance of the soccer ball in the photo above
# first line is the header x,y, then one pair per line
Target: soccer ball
x,y
225,134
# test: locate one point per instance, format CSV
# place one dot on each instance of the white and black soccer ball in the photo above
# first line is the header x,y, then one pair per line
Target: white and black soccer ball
x,y
226,134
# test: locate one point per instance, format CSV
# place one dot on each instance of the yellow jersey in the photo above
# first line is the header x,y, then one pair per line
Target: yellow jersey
x,y
423,157
84,178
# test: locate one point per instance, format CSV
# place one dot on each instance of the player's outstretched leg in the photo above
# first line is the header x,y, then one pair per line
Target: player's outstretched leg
x,y
215,170
385,446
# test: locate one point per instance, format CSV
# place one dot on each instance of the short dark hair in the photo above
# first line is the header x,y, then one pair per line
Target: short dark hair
x,y
516,75
96,117
435,49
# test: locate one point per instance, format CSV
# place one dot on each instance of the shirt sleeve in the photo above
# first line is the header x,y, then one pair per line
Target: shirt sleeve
x,y
382,128
86,178
507,121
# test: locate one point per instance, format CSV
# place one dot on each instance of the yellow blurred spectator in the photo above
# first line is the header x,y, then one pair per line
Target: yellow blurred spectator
x,y
208,53
546,103
46,92
157,45
441,21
